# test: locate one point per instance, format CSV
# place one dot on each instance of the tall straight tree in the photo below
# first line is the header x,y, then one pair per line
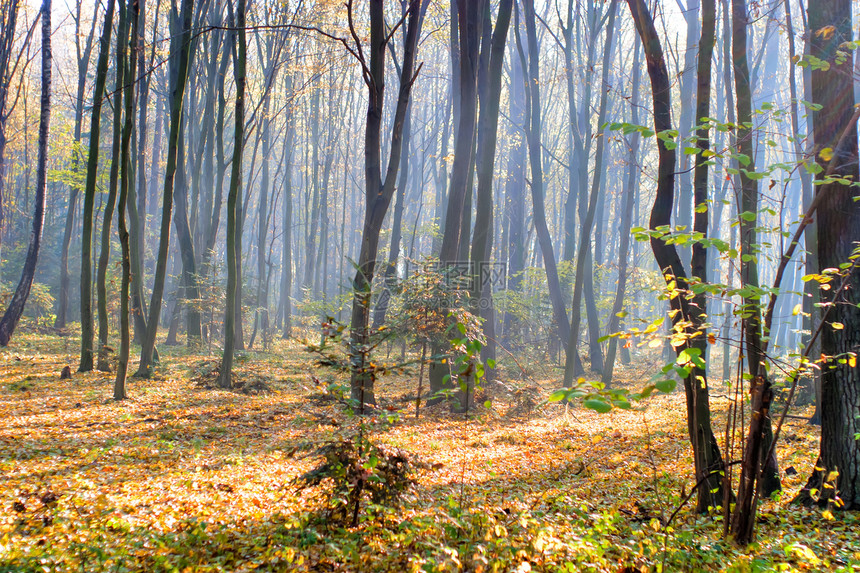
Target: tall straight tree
x,y
584,257
378,191
8,22
132,15
180,46
469,19
489,92
87,331
225,375
629,199
104,251
838,239
533,135
83,51
756,474
22,291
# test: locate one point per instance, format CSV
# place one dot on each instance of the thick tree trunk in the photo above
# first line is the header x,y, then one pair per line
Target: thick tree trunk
x,y
837,473
378,192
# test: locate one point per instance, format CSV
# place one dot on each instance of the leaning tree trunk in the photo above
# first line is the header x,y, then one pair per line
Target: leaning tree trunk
x,y
19,299
180,48
706,453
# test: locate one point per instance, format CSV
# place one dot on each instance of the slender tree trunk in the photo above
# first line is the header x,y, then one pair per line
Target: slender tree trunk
x,y
180,47
757,475
185,240
225,377
706,454
629,199
8,22
378,191
22,291
488,126
132,13
83,59
87,334
537,183
104,252
570,366
287,263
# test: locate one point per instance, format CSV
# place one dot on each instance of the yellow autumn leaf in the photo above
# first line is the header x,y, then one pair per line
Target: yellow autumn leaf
x,y
826,32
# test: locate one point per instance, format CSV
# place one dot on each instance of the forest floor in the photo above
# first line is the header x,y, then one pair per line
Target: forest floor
x,y
184,477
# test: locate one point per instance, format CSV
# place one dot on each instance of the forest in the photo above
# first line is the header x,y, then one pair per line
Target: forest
x,y
429,285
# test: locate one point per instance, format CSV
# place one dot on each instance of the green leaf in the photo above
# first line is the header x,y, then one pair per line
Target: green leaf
x,y
598,405
665,386
557,396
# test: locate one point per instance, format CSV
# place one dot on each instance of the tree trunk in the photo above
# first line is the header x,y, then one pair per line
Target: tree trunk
x,y
287,253
83,59
706,454
488,125
537,183
629,200
22,291
104,252
87,334
180,48
836,480
584,255
126,184
225,376
378,192
757,475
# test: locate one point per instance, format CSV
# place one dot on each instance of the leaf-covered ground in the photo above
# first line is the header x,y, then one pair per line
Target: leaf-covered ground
x,y
184,477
